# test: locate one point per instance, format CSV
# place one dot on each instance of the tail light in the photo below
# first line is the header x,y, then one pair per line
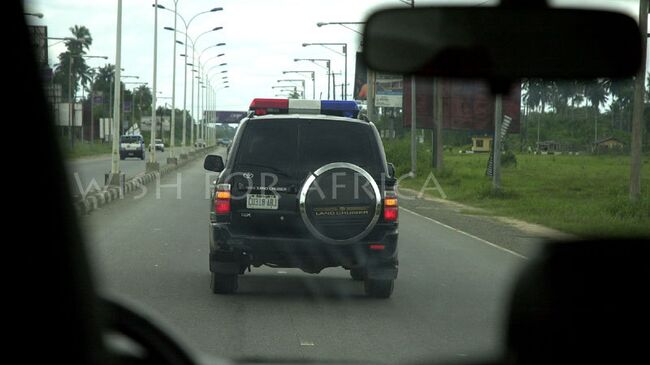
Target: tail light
x,y
390,206
222,199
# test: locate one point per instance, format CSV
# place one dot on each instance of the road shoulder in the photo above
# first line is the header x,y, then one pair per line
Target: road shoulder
x,y
519,237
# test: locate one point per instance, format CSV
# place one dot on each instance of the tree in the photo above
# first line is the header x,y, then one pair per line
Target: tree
x,y
72,60
597,92
622,92
294,95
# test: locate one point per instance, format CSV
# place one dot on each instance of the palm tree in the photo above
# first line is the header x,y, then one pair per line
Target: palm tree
x,y
71,60
622,91
142,97
597,92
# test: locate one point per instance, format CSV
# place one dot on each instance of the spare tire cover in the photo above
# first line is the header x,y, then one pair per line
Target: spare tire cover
x,y
340,203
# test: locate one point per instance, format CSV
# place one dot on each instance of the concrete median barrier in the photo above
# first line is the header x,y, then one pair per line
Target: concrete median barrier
x,y
98,198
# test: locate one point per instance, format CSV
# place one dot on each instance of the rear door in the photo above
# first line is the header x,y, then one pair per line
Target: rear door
x,y
264,182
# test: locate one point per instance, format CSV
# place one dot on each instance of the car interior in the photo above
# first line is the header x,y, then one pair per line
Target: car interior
x,y
577,302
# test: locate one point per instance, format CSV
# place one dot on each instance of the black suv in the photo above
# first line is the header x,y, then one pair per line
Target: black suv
x,y
304,191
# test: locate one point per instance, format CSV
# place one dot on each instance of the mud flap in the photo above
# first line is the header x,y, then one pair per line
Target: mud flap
x,y
384,272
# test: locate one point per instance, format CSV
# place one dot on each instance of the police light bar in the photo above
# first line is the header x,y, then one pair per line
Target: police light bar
x,y
341,108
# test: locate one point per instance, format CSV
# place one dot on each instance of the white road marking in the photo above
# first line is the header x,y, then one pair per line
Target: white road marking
x,y
282,272
306,343
466,234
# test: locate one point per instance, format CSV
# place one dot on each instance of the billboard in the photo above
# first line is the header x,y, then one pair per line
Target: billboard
x,y
145,123
388,91
466,105
360,79
224,116
64,112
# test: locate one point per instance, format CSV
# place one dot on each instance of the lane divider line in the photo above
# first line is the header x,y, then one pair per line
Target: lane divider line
x,y
467,234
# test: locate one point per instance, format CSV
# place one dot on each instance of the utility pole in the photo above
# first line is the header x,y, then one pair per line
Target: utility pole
x,y
370,98
437,127
413,130
498,117
70,102
329,72
637,112
413,126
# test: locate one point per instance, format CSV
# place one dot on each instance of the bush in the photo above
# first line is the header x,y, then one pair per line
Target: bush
x,y
508,159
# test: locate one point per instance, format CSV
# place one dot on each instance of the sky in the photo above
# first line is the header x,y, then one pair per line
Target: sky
x,y
263,37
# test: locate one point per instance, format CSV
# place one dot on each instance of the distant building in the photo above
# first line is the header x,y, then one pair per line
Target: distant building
x,y
554,148
608,144
481,144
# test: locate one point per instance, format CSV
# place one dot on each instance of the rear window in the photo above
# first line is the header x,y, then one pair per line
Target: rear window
x,y
324,141
271,143
130,139
297,147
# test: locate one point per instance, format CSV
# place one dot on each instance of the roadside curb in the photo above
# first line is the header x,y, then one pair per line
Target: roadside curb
x,y
99,198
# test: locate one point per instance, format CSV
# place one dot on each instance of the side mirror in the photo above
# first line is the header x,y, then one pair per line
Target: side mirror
x,y
213,163
391,169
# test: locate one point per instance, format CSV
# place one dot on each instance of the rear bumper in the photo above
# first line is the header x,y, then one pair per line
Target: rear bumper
x,y
309,255
131,153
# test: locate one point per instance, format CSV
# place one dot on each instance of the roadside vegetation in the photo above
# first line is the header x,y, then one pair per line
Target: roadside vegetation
x,y
586,195
85,149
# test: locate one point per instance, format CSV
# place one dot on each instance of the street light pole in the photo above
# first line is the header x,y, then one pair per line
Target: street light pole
x,y
153,165
172,157
115,178
329,71
345,55
186,63
192,105
313,79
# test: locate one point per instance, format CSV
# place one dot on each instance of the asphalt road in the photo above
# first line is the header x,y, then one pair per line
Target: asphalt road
x,y
449,302
83,173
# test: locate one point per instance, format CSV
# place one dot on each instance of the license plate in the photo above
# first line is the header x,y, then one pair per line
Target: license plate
x,y
258,201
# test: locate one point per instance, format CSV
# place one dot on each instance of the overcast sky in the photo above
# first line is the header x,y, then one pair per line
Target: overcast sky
x,y
262,38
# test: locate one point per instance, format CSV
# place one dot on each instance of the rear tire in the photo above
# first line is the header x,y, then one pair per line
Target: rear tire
x,y
357,274
224,283
379,288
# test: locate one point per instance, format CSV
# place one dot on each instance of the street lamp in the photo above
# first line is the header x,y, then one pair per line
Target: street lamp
x,y
185,55
172,158
327,62
345,54
343,24
296,80
313,79
38,15
152,164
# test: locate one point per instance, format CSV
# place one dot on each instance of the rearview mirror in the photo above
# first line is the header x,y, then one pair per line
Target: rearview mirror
x,y
213,163
498,43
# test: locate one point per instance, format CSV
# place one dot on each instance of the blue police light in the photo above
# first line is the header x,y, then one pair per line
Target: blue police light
x,y
341,108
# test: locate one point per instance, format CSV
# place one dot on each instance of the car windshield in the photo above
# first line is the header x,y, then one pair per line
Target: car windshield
x,y
420,268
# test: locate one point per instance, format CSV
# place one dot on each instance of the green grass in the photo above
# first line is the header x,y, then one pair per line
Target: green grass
x,y
85,149
583,195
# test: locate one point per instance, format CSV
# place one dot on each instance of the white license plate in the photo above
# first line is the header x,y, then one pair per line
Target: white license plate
x,y
259,201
